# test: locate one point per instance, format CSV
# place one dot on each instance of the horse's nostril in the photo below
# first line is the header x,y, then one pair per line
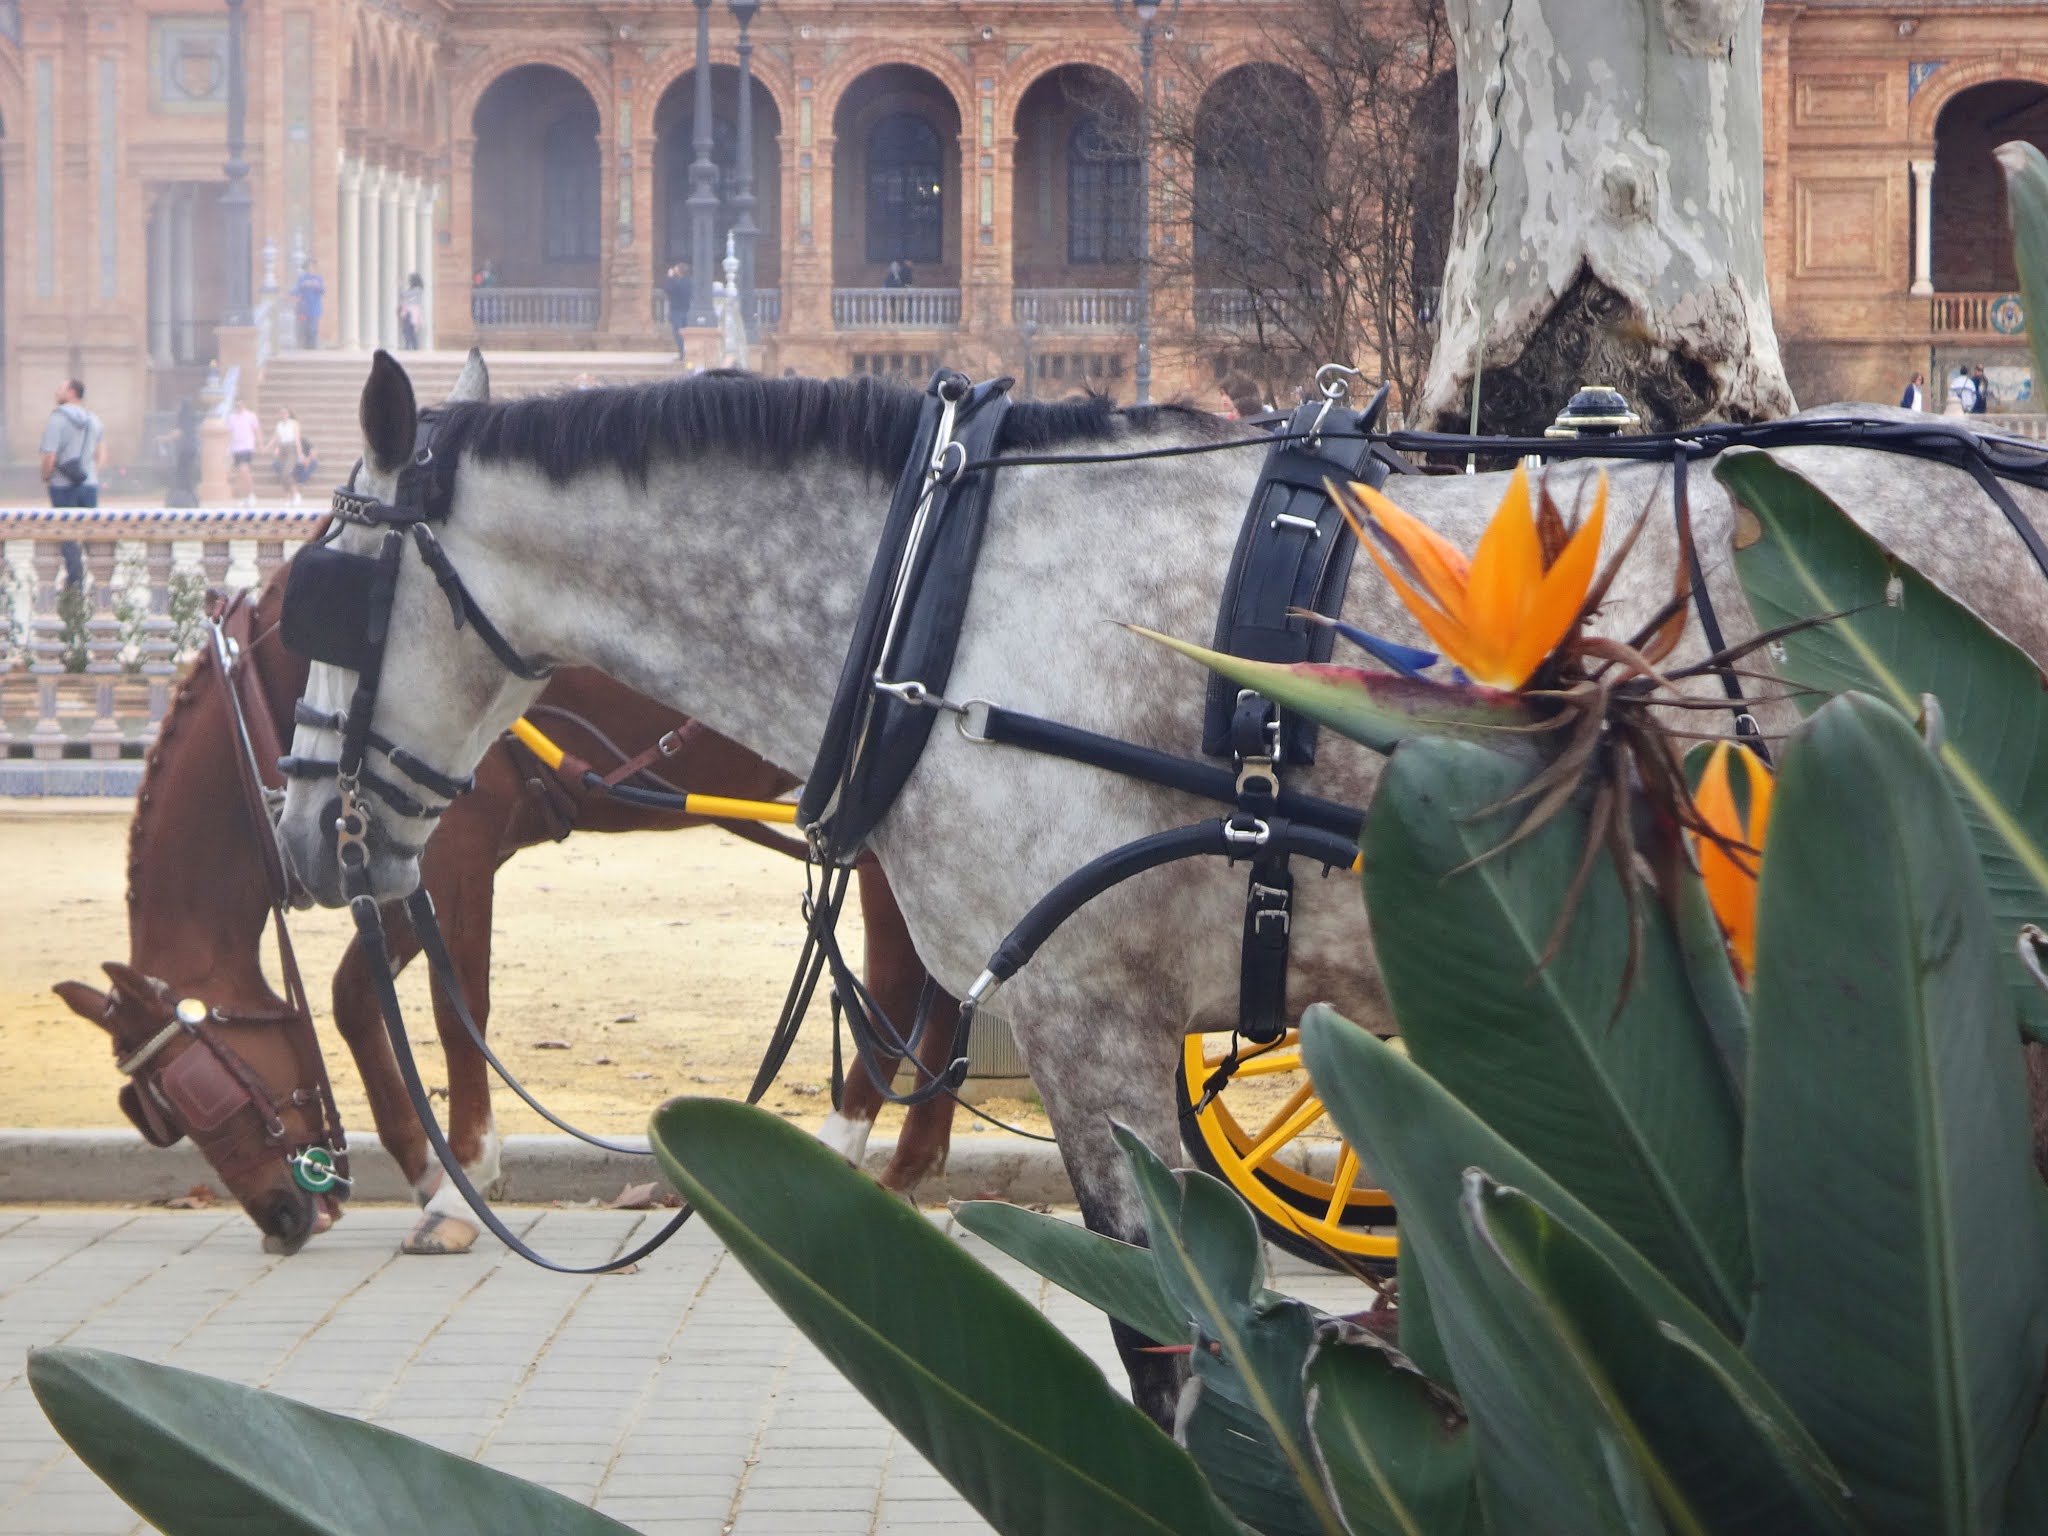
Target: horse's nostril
x,y
287,1224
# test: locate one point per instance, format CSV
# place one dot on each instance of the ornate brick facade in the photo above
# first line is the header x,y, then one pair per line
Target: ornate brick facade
x,y
552,139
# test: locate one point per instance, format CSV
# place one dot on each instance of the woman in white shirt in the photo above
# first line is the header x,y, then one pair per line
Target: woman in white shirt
x,y
284,452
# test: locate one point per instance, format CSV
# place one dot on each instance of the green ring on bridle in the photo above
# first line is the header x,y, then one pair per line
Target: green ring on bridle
x,y
313,1170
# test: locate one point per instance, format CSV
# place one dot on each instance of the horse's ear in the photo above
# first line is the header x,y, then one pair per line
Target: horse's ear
x,y
390,414
474,382
132,984
87,1002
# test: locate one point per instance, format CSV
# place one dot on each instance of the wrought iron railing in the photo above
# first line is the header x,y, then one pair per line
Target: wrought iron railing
x,y
767,308
87,674
1075,309
896,309
534,309
2000,314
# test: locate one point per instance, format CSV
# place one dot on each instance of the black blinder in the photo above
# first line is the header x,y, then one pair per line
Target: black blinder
x,y
333,602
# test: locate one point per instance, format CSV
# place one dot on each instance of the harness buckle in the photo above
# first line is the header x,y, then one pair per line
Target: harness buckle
x,y
1257,778
1271,903
1246,832
670,744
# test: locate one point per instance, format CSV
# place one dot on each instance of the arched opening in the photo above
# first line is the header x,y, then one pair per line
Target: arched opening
x,y
1076,208
538,219
1972,250
674,152
1248,122
896,180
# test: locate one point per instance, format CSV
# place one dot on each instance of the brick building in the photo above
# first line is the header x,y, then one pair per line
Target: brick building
x,y
551,140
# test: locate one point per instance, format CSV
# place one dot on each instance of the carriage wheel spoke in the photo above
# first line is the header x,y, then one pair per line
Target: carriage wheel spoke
x,y
1301,1111
1342,1185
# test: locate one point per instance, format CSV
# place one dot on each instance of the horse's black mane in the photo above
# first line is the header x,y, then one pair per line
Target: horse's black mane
x,y
765,421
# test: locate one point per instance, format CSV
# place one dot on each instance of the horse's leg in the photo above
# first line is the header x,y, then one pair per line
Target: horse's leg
x,y
891,966
928,1127
1098,1065
463,895
361,1023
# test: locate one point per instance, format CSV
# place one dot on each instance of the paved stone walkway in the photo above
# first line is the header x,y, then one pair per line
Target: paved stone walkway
x,y
677,1399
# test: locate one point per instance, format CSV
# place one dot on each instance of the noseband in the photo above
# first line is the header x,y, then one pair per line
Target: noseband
x,y
337,609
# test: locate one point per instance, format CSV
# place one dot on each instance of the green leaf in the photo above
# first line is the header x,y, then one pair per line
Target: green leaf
x,y
1206,1246
2026,196
1540,1468
1222,1428
1011,1413
195,1456
1631,1111
1712,1440
1395,1447
2026,1497
1813,560
1119,1278
1902,1265
1379,709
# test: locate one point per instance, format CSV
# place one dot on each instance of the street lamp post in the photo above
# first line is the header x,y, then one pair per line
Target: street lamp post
x,y
1148,12
744,231
234,199
703,199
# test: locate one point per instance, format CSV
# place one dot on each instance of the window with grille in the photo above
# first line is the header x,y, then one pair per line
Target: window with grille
x,y
570,190
906,199
1102,197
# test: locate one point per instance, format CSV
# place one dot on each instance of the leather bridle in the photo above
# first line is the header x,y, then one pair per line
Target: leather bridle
x,y
210,1092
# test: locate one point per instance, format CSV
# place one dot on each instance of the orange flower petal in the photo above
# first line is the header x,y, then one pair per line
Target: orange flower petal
x,y
1507,571
1559,599
1440,563
1731,888
1445,632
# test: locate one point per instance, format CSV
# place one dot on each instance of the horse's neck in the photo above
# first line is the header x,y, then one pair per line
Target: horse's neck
x,y
196,895
726,592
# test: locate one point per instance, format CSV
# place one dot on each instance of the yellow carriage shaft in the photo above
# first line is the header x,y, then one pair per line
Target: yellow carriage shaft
x,y
722,806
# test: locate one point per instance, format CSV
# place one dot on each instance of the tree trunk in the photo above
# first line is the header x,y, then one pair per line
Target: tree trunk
x,y
1609,222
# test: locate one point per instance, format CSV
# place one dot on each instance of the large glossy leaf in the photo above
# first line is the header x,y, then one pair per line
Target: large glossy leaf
x,y
1119,1278
195,1456
1632,1110
2026,198
1224,1430
2026,1499
1395,1447
1902,638
1717,1446
1011,1413
1902,1263
1540,1468
1206,1246
1379,709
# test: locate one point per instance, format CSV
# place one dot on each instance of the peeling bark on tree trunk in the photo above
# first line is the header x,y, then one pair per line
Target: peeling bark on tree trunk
x,y
1609,223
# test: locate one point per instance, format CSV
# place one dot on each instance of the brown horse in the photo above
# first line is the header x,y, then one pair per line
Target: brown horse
x,y
198,901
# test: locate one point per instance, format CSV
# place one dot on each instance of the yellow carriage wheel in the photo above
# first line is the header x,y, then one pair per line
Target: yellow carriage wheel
x,y
1265,1135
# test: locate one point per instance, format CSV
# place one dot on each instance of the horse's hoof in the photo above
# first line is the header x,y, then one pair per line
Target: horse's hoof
x,y
439,1234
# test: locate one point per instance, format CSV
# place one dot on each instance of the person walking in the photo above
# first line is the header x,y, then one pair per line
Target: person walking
x,y
74,450
1981,388
1962,394
284,448
412,312
1915,398
311,290
682,292
244,428
182,445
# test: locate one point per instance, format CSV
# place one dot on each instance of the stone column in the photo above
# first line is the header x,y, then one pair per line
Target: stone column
x,y
1923,228
392,279
160,283
349,254
423,218
368,282
182,345
408,229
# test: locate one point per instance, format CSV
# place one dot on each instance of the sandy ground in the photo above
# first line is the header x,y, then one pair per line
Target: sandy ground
x,y
659,960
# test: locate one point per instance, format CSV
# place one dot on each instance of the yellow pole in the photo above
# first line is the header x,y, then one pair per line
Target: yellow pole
x,y
537,743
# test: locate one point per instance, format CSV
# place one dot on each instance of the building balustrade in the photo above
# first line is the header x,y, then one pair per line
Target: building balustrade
x,y
88,674
896,309
767,308
534,309
1075,309
1993,314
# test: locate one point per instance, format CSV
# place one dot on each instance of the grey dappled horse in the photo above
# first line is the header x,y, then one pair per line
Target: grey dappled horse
x,y
707,541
